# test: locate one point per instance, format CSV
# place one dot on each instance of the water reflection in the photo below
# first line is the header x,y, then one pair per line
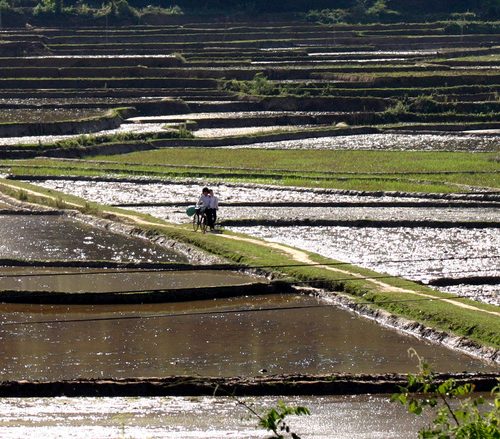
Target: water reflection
x,y
337,417
305,340
81,280
416,253
58,237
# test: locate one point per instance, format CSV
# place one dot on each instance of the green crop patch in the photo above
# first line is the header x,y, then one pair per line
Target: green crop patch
x,y
361,170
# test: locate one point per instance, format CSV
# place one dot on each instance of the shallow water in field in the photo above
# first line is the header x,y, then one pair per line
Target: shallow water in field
x,y
393,142
361,246
138,128
223,132
223,337
390,142
56,237
226,114
93,280
332,417
414,253
178,192
177,213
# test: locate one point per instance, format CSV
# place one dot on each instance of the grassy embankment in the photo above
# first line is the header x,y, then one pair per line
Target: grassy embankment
x,y
355,170
474,324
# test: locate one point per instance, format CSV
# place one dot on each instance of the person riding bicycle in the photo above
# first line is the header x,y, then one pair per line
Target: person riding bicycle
x,y
204,203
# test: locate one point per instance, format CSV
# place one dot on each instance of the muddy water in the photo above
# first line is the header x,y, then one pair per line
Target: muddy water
x,y
109,280
374,248
308,340
60,237
225,115
359,417
223,132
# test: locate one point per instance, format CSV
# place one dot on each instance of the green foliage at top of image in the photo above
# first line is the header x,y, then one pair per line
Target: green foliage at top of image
x,y
360,11
112,9
457,413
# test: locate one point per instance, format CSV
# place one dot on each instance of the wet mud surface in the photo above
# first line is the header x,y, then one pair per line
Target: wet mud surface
x,y
360,417
61,237
210,340
122,129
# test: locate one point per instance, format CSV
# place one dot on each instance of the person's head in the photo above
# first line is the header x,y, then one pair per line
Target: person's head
x,y
205,191
211,192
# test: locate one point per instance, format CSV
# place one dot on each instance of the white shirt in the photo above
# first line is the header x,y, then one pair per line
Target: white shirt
x,y
214,202
204,201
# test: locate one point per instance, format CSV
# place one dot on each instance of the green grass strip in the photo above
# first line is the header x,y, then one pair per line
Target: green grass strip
x,y
409,171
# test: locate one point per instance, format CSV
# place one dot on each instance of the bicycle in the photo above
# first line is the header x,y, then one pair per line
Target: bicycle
x,y
200,220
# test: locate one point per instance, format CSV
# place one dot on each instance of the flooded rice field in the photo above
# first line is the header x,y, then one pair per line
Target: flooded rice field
x,y
92,280
421,254
337,417
130,192
222,337
375,53
60,237
208,133
177,214
124,128
424,254
387,142
477,142
227,115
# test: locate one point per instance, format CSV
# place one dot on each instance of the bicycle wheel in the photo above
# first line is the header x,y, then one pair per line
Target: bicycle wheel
x,y
204,221
196,222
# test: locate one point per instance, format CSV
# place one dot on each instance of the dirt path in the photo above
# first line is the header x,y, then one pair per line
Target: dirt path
x,y
296,254
303,257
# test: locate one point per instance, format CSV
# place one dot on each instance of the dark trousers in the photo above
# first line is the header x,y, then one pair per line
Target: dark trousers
x,y
211,217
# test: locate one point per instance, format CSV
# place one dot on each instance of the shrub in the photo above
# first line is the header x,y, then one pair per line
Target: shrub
x,y
467,419
328,16
45,7
158,10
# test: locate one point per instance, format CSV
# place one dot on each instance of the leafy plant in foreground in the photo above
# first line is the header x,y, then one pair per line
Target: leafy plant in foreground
x,y
274,418
458,416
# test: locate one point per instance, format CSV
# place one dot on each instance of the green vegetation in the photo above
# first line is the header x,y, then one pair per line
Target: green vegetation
x,y
274,419
360,170
457,17
457,414
113,11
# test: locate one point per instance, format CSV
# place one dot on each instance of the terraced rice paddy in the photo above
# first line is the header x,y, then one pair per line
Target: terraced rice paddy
x,y
431,245
309,75
283,86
